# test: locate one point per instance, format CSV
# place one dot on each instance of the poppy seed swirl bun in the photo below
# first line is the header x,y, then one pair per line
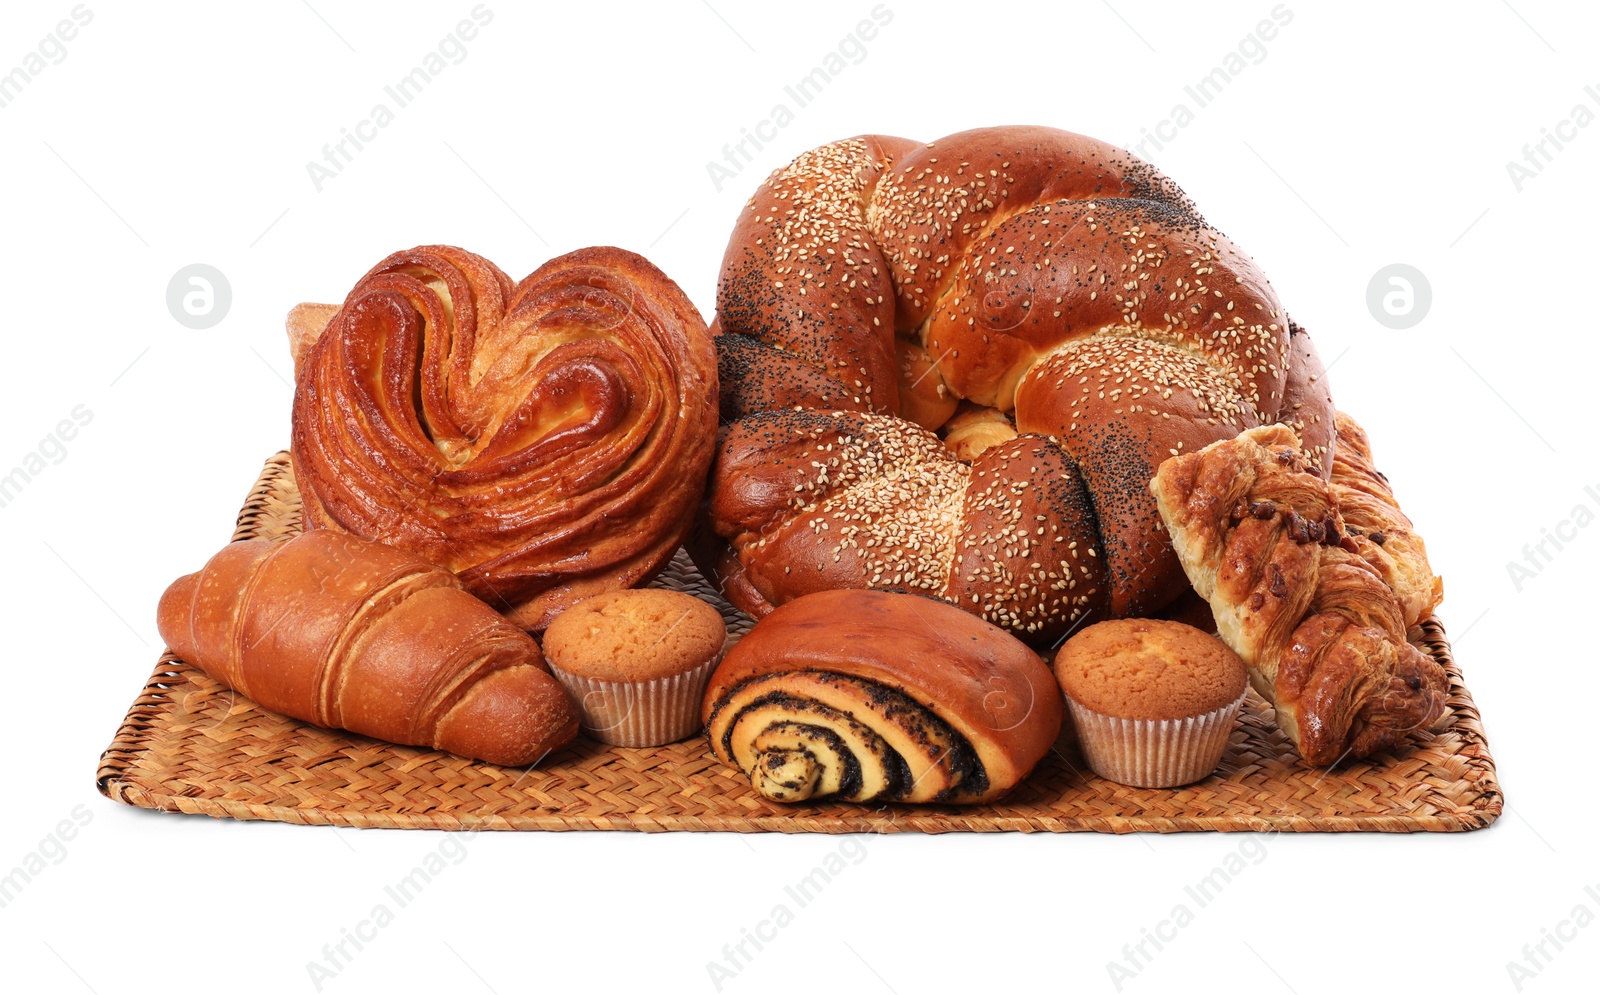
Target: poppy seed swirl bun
x,y
1034,279
881,696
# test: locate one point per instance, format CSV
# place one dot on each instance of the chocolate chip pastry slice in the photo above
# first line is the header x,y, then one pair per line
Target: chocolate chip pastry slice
x,y
1261,537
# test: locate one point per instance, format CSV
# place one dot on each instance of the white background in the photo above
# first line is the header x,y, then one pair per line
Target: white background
x,y
1369,134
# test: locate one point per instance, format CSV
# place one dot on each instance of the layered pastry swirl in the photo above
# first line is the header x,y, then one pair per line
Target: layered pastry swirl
x,y
545,440
880,696
1317,603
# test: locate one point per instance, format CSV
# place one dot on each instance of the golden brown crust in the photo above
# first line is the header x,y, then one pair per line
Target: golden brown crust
x,y
1261,536
975,428
803,273
305,324
785,381
881,696
817,500
720,566
938,201
1308,402
1026,270
1024,556
546,441
1144,668
635,635
1382,533
924,398
335,630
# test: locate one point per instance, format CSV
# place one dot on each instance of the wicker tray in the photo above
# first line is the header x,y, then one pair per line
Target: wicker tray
x,y
190,745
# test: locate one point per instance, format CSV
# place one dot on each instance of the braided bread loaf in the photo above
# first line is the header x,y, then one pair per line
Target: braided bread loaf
x,y
546,440
1059,287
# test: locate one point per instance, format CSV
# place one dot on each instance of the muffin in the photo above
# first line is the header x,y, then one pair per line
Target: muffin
x,y
637,662
1153,701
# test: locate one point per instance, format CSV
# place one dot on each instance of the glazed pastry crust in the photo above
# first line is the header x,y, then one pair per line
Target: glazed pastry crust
x,y
874,695
329,628
1054,285
1262,538
545,440
821,500
1384,537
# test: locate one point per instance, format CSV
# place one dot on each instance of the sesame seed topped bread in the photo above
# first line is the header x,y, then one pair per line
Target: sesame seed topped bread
x,y
819,500
1145,668
1063,296
635,635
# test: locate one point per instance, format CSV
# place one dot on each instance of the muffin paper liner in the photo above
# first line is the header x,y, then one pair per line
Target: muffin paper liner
x,y
1154,753
639,713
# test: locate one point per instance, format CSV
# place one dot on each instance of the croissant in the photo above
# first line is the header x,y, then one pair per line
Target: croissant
x,y
545,441
1058,283
1262,538
356,635
881,696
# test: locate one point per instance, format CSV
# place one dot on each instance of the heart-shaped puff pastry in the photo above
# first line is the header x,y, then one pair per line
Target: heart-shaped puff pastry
x,y
546,440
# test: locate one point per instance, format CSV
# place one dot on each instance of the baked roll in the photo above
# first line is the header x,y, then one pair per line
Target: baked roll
x,y
545,440
879,696
1261,537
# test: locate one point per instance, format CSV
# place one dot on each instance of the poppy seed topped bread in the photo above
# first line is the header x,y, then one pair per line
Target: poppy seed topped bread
x,y
635,635
953,367
1141,668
